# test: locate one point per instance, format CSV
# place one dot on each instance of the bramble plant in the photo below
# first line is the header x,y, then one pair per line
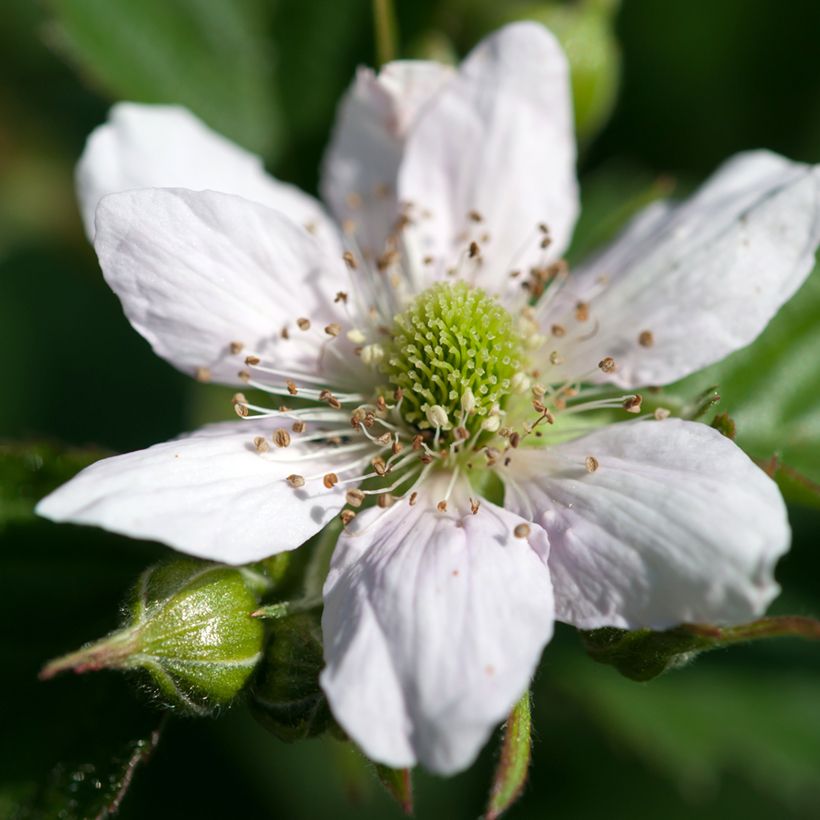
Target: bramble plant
x,y
447,436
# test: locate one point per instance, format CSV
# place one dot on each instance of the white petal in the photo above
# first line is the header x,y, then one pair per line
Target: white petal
x,y
208,494
704,278
166,146
362,159
433,626
676,525
497,140
196,271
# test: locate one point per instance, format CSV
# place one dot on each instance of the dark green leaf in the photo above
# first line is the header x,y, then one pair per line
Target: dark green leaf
x,y
513,766
210,56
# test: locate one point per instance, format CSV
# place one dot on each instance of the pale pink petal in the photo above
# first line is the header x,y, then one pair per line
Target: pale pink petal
x,y
196,271
210,494
703,278
498,141
362,160
166,146
676,525
433,626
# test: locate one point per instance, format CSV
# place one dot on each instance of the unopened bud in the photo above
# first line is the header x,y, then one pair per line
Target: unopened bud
x,y
285,696
188,629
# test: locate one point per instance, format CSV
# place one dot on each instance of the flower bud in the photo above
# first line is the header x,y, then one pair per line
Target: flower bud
x,y
285,696
188,628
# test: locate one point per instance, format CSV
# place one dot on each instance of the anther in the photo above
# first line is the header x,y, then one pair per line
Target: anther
x,y
556,358
607,364
243,375
261,444
354,497
474,250
356,336
379,466
296,481
251,361
515,439
591,463
646,339
291,385
341,296
298,427
397,448
303,323
236,347
347,516
475,216
281,437
413,498
350,260
333,329
581,312
558,331
202,374
418,440
330,480
475,503
441,506
385,500
661,413
521,530
632,404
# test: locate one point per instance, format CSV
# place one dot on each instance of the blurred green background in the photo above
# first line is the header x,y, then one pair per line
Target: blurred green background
x,y
735,734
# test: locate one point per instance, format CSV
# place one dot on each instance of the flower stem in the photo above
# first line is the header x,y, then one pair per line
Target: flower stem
x,y
386,31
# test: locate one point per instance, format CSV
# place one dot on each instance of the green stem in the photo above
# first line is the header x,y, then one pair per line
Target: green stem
x,y
385,30
780,626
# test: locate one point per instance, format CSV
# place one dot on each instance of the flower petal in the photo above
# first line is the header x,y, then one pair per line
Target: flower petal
x,y
196,271
703,278
166,146
497,141
433,624
210,494
676,525
362,160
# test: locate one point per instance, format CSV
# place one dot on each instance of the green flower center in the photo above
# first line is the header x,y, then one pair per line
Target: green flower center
x,y
454,354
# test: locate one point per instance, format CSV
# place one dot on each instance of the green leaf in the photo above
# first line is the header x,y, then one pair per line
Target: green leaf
x,y
513,766
29,471
212,57
91,791
643,654
770,388
705,722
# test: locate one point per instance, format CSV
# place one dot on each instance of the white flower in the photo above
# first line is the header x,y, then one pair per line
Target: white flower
x,y
438,604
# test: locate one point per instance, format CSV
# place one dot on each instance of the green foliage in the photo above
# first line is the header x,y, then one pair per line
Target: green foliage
x,y
709,721
212,57
399,784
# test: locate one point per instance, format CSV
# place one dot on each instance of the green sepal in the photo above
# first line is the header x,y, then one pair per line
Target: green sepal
x,y
399,784
514,761
285,696
643,654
